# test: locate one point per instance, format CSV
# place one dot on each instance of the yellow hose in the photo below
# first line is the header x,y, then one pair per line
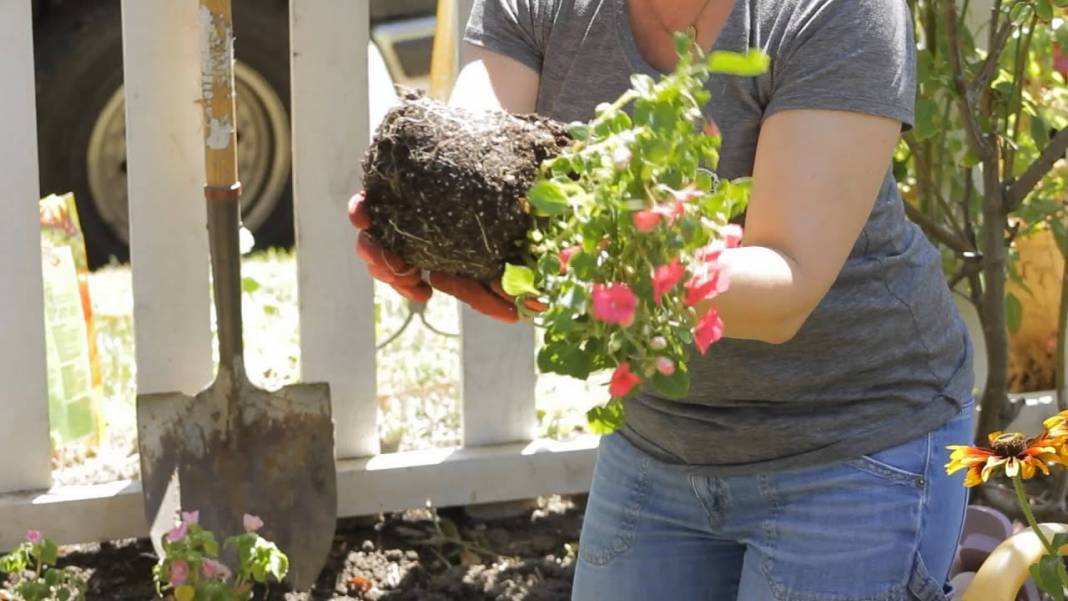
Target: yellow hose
x,y
1006,569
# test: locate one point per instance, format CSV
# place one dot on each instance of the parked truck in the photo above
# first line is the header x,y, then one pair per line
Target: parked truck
x,y
81,123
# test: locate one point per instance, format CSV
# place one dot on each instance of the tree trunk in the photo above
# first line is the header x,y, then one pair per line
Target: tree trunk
x,y
992,242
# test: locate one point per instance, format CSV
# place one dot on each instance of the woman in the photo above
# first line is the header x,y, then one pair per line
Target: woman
x,y
807,463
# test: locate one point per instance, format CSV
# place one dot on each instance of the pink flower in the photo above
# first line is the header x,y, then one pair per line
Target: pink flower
x,y
34,536
711,128
614,304
665,277
658,343
252,523
623,380
179,572
565,256
732,235
713,250
687,194
665,366
190,517
709,329
645,220
671,211
178,532
712,282
215,569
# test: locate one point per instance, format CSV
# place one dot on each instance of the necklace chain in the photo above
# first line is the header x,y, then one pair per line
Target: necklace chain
x,y
691,29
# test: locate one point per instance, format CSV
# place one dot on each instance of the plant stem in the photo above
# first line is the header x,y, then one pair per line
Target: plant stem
x,y
1025,506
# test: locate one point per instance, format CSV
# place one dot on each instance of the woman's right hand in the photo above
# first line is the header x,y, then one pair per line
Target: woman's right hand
x,y
387,267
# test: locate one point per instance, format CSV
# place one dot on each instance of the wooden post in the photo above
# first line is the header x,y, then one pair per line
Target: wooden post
x,y
498,377
168,231
330,134
26,463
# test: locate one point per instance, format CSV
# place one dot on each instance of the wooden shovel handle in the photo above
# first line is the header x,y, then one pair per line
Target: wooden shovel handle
x,y
217,88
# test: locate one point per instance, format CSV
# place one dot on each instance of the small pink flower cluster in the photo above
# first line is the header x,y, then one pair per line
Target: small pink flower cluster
x,y
616,303
210,568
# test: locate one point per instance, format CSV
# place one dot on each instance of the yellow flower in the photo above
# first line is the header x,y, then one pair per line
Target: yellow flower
x,y
1057,426
1011,451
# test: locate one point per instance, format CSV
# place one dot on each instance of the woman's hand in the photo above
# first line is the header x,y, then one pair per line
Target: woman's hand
x,y
488,299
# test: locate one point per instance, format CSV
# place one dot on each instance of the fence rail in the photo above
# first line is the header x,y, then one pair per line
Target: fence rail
x,y
500,459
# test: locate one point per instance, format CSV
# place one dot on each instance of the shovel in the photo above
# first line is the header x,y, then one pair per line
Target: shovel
x,y
234,448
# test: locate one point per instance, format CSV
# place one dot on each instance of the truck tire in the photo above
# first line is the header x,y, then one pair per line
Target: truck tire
x,y
81,124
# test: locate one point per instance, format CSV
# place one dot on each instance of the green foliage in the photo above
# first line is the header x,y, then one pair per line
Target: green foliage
x,y
34,576
634,193
1024,101
979,169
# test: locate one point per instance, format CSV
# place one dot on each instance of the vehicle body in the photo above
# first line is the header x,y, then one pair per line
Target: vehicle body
x,y
81,121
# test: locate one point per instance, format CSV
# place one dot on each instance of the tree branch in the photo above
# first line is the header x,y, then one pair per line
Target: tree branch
x,y
1053,152
964,94
937,231
990,66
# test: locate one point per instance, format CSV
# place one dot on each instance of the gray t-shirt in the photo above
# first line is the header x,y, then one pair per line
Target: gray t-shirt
x,y
885,357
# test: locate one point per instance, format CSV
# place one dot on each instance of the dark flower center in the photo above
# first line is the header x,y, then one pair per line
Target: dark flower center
x,y
1010,445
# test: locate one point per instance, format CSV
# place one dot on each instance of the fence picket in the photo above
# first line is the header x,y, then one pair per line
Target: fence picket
x,y
330,133
168,231
498,377
26,461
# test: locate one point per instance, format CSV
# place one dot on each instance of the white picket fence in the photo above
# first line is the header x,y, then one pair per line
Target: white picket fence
x,y
500,460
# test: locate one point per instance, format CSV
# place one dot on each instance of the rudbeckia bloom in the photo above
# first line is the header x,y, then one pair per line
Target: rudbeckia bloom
x,y
1011,451
1057,426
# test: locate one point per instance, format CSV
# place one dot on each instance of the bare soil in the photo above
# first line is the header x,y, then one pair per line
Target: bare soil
x,y
446,187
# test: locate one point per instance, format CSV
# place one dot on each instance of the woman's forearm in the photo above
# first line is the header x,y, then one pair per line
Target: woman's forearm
x,y
766,300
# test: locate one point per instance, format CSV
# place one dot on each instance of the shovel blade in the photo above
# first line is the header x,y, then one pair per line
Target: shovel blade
x,y
237,449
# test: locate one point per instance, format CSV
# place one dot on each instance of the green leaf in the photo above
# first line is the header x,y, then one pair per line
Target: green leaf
x,y
49,552
1049,580
518,280
583,265
1013,312
682,43
548,197
926,114
63,594
565,358
579,131
273,310
607,418
249,285
1039,131
749,64
1060,540
675,386
1044,10
51,577
1021,12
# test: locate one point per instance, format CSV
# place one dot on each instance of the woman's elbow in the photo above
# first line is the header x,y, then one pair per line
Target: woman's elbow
x,y
784,328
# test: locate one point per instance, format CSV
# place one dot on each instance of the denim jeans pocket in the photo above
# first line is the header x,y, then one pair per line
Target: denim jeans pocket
x,y
905,464
618,492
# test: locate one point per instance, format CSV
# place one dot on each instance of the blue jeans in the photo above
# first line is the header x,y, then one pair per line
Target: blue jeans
x,y
882,527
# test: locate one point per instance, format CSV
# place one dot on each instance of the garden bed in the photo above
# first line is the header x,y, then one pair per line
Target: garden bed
x,y
398,557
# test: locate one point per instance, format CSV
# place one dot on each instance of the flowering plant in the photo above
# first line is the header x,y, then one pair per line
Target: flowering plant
x,y
190,568
1020,458
632,222
35,577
